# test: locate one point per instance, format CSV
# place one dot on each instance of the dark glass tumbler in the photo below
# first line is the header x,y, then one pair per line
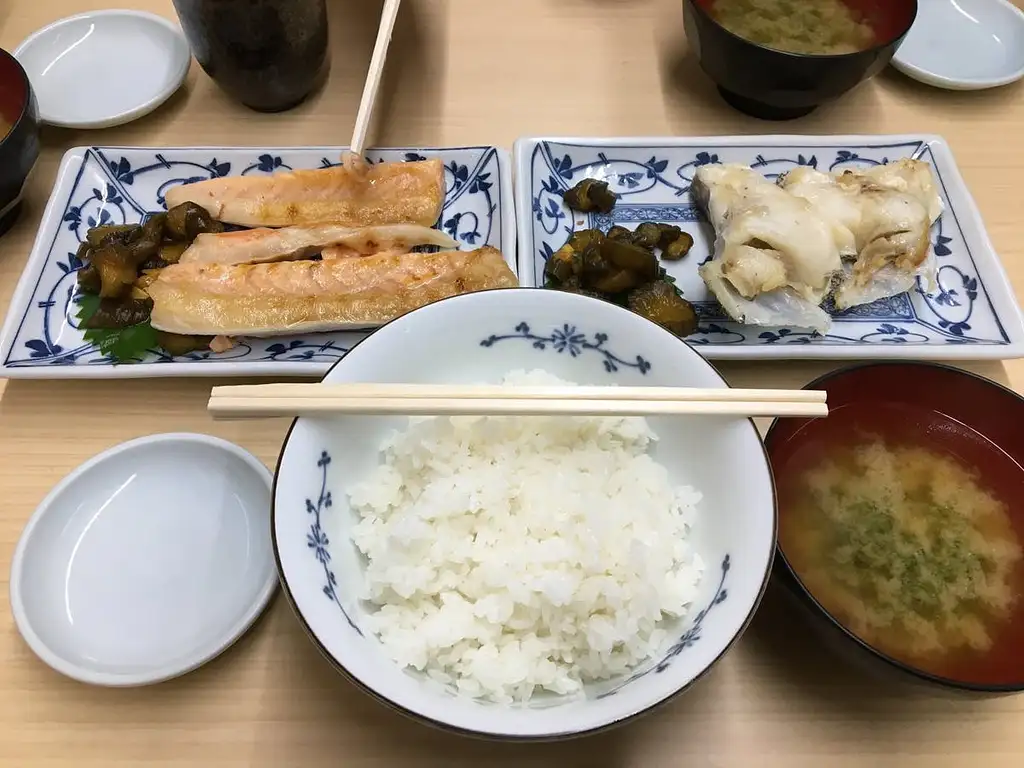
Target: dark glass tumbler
x,y
268,54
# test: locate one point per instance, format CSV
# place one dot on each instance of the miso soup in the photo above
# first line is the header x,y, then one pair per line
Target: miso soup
x,y
822,27
903,546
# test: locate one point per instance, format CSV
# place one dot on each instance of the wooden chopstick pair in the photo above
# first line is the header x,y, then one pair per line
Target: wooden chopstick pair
x,y
269,400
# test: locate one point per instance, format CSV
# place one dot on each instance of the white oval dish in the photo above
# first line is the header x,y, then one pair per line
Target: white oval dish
x,y
964,45
104,68
146,561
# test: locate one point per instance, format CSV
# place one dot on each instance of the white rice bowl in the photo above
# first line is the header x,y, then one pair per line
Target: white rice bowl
x,y
586,594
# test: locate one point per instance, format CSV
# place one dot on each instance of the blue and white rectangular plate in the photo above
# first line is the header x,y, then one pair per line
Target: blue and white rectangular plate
x,y
114,185
973,314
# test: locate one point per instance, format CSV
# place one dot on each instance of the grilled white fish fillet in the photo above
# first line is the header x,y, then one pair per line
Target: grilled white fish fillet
x,y
774,256
255,246
310,296
389,193
882,217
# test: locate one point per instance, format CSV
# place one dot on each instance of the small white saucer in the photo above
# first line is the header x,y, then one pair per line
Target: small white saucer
x,y
964,45
104,68
146,561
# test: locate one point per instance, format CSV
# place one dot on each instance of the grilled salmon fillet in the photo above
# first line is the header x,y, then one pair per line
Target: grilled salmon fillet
x,y
390,193
255,246
311,296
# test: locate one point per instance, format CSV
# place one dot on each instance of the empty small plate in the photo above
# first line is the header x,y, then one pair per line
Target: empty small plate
x,y
964,45
146,561
104,68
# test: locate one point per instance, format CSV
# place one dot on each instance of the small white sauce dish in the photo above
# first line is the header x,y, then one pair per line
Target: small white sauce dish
x,y
480,337
146,561
964,45
104,68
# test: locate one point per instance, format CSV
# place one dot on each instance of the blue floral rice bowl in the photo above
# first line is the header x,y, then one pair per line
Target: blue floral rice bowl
x,y
480,338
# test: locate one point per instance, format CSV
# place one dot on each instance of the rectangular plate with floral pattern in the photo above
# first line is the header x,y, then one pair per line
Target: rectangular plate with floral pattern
x,y
972,315
115,185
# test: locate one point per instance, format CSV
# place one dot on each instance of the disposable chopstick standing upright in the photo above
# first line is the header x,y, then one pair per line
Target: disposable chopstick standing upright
x,y
268,400
373,77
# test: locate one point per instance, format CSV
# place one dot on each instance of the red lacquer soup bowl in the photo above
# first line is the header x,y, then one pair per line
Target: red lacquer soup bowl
x,y
19,136
901,521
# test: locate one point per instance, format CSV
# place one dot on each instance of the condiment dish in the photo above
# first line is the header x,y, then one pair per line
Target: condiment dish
x,y
964,45
146,561
104,68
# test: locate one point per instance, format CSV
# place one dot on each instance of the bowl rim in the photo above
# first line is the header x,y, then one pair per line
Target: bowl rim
x,y
26,85
814,57
805,594
505,737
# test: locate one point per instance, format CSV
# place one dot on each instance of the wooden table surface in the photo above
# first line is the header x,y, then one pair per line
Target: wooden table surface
x,y
465,72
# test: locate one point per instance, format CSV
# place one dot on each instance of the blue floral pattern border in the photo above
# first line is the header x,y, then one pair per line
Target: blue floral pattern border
x,y
690,637
125,185
568,339
654,184
319,543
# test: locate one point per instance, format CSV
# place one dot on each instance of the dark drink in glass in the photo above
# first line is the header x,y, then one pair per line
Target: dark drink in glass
x,y
268,54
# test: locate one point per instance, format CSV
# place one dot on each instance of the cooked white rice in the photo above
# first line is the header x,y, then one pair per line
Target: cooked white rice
x,y
507,554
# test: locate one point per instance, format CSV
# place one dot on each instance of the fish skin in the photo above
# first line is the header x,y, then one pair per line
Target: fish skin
x,y
256,246
313,296
391,193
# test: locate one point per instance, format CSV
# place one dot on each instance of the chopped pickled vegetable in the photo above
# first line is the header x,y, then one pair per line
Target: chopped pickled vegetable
x,y
585,238
153,263
619,233
116,268
618,281
116,233
170,253
661,303
155,225
669,234
114,307
89,279
590,195
621,266
647,235
631,257
678,248
115,313
177,344
594,267
147,244
147,277
573,285
188,220
562,264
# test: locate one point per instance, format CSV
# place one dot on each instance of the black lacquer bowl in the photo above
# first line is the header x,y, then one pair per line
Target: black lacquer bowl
x,y
19,146
776,85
